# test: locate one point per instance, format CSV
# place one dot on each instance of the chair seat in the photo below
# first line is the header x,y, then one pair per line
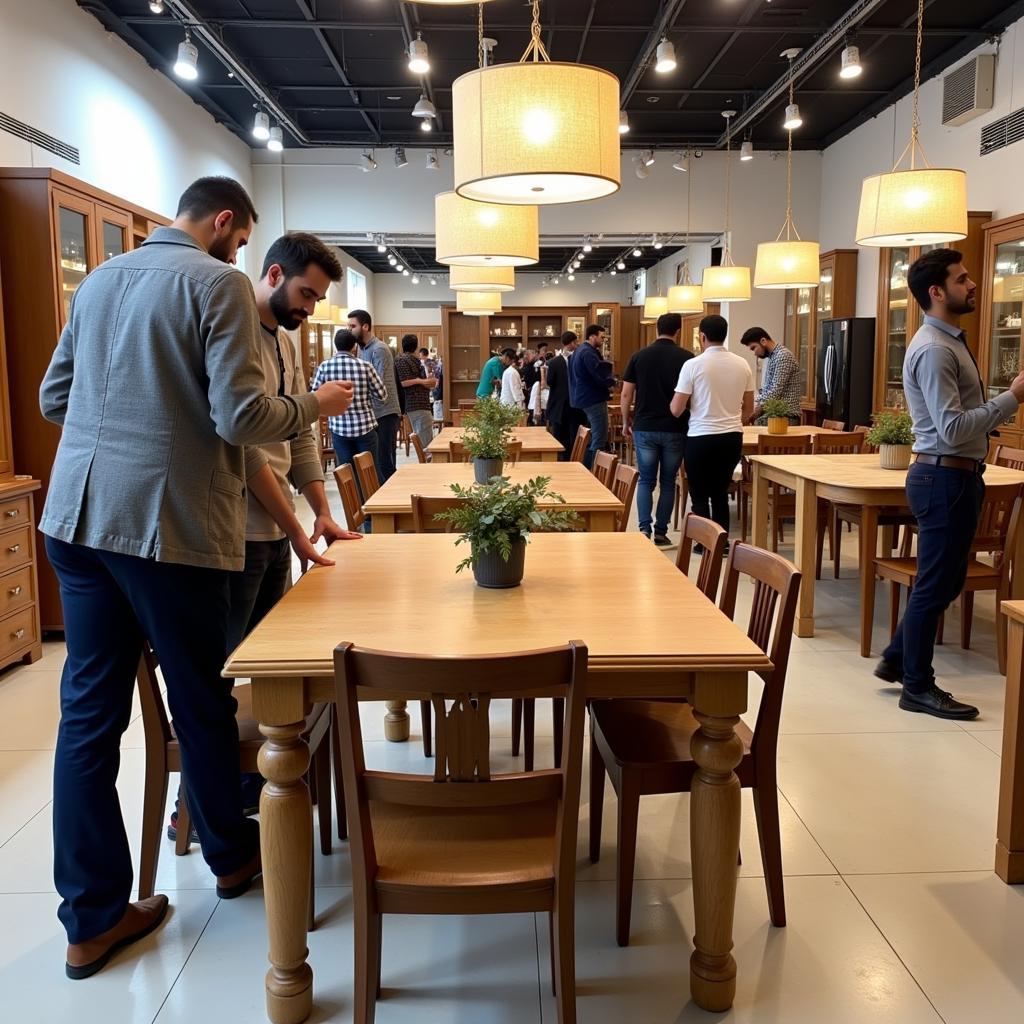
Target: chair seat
x,y
979,574
886,516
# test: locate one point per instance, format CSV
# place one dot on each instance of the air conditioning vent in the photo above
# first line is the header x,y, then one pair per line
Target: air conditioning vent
x,y
967,91
1002,133
420,303
25,131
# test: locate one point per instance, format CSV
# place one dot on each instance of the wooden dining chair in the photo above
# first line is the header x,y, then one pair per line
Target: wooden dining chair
x,y
405,433
464,840
624,488
421,452
845,443
366,474
457,452
580,444
781,500
681,496
644,746
834,425
712,538
425,508
327,454
1012,458
163,756
467,403
604,467
353,507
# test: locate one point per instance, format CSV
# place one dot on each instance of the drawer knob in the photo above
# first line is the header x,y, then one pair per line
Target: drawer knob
x,y
14,549
14,591
11,513
17,634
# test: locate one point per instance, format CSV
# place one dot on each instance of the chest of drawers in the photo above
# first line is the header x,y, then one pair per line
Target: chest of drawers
x,y
20,638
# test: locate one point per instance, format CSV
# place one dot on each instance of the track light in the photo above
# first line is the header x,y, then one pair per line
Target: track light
x,y
587,246
747,151
850,62
367,162
793,118
572,277
665,58
156,6
640,166
656,242
623,122
381,247
621,265
261,126
576,262
431,162
638,252
276,141
426,125
187,64
680,164
415,279
405,272
392,259
648,158
419,56
433,282
612,273
427,111
400,160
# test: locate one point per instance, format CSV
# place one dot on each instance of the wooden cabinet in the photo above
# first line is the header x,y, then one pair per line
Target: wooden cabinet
x,y
617,348
55,230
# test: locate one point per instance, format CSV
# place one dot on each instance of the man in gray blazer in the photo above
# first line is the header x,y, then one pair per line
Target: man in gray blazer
x,y
157,383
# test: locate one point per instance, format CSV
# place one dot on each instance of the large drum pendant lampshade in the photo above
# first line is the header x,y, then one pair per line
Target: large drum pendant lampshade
x,y
536,133
470,234
478,303
685,298
726,284
787,264
654,306
482,279
917,207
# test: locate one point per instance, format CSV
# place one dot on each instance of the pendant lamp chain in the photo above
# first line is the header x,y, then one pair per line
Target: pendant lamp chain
x,y
914,146
686,243
789,227
536,50
727,253
481,52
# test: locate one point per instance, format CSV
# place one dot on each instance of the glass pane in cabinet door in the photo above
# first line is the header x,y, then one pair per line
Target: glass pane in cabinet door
x,y
803,326
896,327
73,254
1007,307
113,241
825,295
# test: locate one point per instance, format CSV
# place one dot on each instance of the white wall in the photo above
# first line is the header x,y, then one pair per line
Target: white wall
x,y
993,182
140,136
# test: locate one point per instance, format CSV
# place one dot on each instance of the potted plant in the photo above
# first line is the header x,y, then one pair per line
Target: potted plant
x,y
496,521
893,433
487,429
777,412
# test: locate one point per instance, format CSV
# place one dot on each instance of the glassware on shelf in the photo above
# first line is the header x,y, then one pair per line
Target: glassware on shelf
x,y
1007,308
73,254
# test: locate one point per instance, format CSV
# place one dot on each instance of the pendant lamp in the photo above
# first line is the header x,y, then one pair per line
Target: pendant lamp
x,y
915,206
482,279
686,297
792,263
536,132
478,303
470,234
727,283
654,306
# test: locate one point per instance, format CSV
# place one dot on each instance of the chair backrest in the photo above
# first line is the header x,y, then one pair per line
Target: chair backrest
x,y
833,424
421,453
346,481
698,530
604,467
997,524
457,417
851,443
1012,458
783,444
366,473
467,403
155,724
425,508
457,452
461,690
624,487
404,428
861,429
776,586
513,452
580,445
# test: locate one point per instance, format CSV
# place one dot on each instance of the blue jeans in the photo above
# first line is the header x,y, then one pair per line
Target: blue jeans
x,y
659,454
597,420
946,504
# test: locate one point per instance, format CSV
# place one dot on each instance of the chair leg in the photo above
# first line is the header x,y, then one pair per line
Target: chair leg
x,y
517,724
380,946
625,855
183,841
529,718
766,811
339,788
894,608
311,908
154,801
551,951
557,724
321,771
837,544
563,927
367,962
675,507
1001,627
597,771
428,733
967,618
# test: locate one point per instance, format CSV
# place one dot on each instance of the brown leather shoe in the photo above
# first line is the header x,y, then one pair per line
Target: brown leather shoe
x,y
238,882
84,959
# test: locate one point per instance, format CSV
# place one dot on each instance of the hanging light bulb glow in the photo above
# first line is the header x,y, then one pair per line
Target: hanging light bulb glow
x,y
665,58
747,151
187,64
851,67
478,303
481,279
686,297
471,234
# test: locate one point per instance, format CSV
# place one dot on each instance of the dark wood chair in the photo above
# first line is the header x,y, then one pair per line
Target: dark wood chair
x,y
327,455
604,467
698,530
464,840
644,746
833,425
163,756
846,443
421,452
781,500
366,474
1012,458
353,507
405,433
580,444
624,488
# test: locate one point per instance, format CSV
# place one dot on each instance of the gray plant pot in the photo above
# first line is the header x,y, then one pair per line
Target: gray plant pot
x,y
493,572
484,469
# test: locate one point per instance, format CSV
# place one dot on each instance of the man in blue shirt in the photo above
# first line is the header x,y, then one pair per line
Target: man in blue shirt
x,y
590,386
492,373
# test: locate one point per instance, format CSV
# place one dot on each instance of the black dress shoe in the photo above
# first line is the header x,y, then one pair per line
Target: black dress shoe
x,y
890,672
938,703
662,540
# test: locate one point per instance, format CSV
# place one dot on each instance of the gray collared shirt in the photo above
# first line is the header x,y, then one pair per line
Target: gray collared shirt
x,y
945,394
383,361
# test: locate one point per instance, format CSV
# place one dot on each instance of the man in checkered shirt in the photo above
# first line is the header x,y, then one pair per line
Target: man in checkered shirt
x,y
356,430
783,377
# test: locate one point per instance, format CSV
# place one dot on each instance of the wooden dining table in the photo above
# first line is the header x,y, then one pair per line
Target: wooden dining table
x,y
849,480
391,505
1010,820
752,433
659,637
538,444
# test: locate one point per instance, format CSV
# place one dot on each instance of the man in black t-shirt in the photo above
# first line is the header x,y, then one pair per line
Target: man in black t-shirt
x,y
659,438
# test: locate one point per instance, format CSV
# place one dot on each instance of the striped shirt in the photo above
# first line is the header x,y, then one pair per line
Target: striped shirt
x,y
366,385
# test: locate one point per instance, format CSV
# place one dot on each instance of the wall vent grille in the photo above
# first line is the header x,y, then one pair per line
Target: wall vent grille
x,y
421,303
25,131
967,92
1002,133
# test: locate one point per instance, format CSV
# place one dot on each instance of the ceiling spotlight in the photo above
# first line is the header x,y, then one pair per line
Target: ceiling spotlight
x,y
623,122
576,262
621,265
433,281
415,279
680,164
572,277
419,56
851,62
156,6
276,141
557,280
426,125
381,247
612,273
656,242
587,247
405,272
261,126
424,108
367,162
593,280
392,259
747,151
431,161
640,165
187,64
793,119
648,158
638,252
400,160
665,58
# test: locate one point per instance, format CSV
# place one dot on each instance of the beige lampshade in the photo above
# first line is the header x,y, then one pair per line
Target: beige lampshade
x,y
918,207
536,133
336,315
470,234
686,298
478,303
726,284
482,279
321,311
654,306
787,265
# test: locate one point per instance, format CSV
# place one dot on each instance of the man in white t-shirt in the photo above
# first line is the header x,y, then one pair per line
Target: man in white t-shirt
x,y
512,391
718,387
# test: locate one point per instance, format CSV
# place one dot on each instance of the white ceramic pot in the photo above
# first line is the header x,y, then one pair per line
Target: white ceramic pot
x,y
894,456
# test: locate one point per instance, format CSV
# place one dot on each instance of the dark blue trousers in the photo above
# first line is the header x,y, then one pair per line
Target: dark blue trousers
x,y
946,504
111,602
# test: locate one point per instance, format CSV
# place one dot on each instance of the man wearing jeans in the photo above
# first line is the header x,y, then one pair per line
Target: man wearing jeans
x,y
386,410
945,488
590,385
413,378
658,436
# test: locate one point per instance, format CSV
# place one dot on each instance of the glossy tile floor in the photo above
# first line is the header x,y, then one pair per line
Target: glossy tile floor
x,y
888,826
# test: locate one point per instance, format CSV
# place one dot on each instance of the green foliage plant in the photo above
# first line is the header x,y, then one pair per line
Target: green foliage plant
x,y
487,428
891,427
775,407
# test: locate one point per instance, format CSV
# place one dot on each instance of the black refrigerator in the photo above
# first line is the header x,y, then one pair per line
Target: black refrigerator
x,y
846,370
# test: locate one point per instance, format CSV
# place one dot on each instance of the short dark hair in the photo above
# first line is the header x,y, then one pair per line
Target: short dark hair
x,y
509,353
295,251
206,196
548,355
569,337
410,343
668,324
541,344
344,340
593,329
361,317
754,335
714,328
424,351
928,270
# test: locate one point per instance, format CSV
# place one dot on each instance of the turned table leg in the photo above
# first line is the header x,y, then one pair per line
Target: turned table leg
x,y
1010,825
759,507
396,722
805,553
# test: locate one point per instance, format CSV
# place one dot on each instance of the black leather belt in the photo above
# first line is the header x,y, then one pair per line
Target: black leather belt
x,y
952,462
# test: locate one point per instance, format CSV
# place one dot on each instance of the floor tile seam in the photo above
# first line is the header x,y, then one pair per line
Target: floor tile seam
x,y
974,736
877,732
807,829
21,828
896,874
202,932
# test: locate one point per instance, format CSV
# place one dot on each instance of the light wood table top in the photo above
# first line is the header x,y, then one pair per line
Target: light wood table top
x,y
538,444
391,506
752,433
